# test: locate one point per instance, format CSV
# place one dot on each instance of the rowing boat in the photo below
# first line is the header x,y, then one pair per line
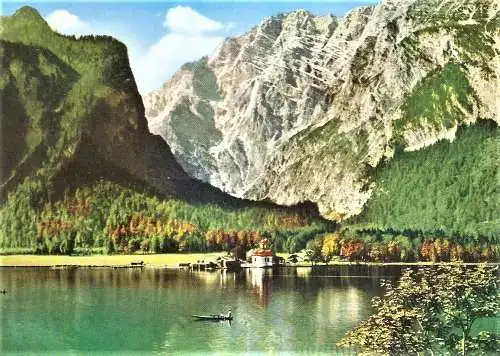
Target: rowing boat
x,y
213,317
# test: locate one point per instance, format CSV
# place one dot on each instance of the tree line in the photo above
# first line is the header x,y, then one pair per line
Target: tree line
x,y
117,219
354,246
110,218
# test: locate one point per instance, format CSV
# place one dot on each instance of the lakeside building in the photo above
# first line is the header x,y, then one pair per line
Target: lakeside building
x,y
263,256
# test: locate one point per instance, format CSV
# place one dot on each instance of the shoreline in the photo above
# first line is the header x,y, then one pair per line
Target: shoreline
x,y
169,260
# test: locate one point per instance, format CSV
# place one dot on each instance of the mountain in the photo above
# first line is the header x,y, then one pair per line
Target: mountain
x,y
72,113
80,170
447,189
306,108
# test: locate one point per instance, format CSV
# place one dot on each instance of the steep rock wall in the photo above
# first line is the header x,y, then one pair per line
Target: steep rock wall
x,y
303,107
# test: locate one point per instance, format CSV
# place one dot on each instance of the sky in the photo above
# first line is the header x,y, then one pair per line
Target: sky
x,y
163,35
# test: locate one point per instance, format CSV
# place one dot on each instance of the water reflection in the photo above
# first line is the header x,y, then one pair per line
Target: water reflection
x,y
260,281
228,278
210,279
149,310
303,272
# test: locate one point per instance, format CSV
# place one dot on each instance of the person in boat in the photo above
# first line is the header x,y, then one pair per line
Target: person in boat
x,y
226,316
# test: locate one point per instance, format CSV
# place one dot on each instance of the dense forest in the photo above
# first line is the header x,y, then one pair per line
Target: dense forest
x,y
449,189
107,217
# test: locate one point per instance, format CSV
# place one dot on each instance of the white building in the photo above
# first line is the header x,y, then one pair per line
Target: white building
x,y
263,256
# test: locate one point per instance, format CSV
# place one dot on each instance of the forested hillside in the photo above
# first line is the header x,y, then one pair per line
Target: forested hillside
x,y
71,112
111,218
450,188
440,203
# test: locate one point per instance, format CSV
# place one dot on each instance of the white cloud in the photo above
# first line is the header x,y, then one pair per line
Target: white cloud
x,y
166,56
65,22
187,41
185,20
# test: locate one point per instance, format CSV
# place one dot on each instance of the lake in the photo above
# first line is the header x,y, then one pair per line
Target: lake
x,y
148,311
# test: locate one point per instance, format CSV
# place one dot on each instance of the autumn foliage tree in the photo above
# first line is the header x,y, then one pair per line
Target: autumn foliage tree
x,y
353,250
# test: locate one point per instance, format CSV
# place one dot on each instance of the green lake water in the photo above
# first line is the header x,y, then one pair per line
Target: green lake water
x,y
148,311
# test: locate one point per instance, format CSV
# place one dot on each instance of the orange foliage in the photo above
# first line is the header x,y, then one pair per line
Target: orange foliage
x,y
353,250
52,227
379,253
78,207
220,239
140,225
428,251
443,249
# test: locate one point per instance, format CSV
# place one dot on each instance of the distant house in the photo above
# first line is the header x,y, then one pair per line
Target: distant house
x,y
263,256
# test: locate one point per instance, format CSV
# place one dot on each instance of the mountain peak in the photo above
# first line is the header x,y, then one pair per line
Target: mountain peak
x,y
28,12
299,13
26,16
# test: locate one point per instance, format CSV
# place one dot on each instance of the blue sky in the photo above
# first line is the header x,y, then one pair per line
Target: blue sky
x,y
162,35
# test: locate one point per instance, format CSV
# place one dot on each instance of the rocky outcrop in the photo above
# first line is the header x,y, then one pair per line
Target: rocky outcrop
x,y
304,107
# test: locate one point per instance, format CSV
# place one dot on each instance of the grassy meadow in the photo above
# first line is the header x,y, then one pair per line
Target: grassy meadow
x,y
168,259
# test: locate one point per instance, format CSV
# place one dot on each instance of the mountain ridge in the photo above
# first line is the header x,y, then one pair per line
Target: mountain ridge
x,y
294,112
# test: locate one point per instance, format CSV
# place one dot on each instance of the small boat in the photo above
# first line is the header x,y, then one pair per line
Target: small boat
x,y
215,317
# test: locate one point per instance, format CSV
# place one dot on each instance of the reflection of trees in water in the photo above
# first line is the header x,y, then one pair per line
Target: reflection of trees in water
x,y
336,309
227,278
361,276
347,303
278,307
122,277
136,278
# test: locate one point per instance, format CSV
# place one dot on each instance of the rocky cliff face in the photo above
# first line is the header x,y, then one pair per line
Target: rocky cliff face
x,y
303,107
